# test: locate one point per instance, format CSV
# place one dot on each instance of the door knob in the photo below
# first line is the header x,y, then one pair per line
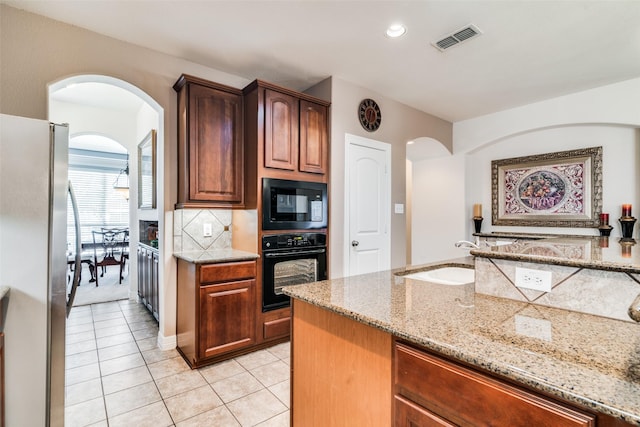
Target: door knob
x,y
354,243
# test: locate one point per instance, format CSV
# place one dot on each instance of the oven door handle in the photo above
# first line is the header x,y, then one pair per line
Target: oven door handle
x,y
290,253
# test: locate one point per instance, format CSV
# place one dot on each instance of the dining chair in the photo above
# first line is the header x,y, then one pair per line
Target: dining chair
x,y
125,253
110,248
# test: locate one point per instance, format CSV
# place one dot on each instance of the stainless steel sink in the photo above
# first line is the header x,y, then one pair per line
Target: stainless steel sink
x,y
445,275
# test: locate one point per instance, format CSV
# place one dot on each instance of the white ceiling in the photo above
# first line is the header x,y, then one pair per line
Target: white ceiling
x,y
529,50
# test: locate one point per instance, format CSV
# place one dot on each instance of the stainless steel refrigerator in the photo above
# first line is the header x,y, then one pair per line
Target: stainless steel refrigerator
x,y
33,263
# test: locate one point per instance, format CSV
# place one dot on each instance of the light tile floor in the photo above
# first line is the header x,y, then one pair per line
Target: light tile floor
x,y
116,376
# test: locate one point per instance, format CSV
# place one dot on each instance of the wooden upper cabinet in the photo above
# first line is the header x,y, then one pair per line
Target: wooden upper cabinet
x,y
281,131
313,137
287,130
210,144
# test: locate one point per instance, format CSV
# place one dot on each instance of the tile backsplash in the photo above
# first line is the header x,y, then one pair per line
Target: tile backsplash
x,y
188,229
599,292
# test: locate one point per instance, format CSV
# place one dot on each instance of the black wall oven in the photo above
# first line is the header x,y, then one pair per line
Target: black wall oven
x,y
293,205
291,259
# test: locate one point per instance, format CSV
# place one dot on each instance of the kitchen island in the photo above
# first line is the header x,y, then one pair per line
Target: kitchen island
x,y
345,334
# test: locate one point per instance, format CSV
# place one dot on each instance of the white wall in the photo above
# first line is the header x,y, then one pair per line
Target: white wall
x,y
438,209
620,168
400,124
607,116
615,104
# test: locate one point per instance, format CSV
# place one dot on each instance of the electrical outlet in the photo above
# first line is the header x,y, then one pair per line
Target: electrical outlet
x,y
537,280
208,231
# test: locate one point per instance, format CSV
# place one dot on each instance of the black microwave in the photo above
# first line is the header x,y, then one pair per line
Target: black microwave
x,y
293,205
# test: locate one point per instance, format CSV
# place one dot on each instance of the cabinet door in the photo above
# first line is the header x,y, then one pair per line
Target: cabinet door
x,y
148,290
313,137
141,264
281,131
227,317
155,285
215,145
408,414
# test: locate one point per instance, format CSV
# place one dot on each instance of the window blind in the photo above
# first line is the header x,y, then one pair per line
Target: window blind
x,y
99,205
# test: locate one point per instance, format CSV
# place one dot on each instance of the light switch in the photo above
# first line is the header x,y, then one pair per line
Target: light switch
x,y
208,231
399,208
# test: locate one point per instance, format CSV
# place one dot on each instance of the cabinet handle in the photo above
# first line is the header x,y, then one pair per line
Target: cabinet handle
x,y
354,243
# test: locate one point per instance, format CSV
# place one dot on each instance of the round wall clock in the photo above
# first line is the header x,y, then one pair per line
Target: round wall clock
x,y
369,114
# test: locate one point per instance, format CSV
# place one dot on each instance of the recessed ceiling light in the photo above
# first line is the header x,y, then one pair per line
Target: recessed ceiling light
x,y
396,30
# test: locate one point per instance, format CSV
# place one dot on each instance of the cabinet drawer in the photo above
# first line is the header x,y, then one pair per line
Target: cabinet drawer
x,y
225,272
408,414
276,328
466,397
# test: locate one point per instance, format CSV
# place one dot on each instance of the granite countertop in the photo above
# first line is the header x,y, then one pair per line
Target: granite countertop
x,y
590,360
216,256
602,253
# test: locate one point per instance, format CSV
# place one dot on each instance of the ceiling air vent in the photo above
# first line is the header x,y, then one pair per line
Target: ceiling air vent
x,y
457,37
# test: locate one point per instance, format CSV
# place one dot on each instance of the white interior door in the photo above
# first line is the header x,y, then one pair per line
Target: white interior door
x,y
367,198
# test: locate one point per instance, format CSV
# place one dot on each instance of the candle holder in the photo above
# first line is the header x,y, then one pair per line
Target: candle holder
x,y
625,247
604,241
605,230
477,222
626,226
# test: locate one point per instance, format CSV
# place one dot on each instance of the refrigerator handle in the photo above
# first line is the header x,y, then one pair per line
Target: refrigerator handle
x,y
78,264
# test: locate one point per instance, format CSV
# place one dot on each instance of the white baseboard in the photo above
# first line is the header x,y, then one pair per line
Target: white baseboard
x,y
167,343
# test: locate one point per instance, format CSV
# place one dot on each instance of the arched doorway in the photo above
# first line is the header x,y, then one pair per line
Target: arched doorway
x,y
98,172
103,105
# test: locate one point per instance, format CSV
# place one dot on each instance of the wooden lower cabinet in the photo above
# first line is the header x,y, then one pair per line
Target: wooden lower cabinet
x,y
276,324
452,394
216,312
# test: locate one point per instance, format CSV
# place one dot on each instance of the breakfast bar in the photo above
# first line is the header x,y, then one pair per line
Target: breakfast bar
x,y
588,364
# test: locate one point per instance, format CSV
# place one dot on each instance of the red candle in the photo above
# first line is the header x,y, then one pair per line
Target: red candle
x,y
604,219
626,210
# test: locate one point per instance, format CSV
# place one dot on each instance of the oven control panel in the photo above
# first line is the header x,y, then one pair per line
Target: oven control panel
x,y
283,241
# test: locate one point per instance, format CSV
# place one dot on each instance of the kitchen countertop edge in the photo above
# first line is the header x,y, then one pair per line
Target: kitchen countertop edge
x,y
215,256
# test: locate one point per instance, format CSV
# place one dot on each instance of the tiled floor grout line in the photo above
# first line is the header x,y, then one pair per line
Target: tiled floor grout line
x,y
104,395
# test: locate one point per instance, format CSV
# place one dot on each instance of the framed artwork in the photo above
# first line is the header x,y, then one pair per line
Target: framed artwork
x,y
562,189
147,171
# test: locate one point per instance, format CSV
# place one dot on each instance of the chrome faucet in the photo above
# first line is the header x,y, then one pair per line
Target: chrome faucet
x,y
467,245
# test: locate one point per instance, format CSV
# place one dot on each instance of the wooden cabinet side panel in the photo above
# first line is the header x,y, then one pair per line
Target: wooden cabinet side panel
x,y
183,139
227,319
281,131
313,137
186,310
341,371
215,145
466,397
